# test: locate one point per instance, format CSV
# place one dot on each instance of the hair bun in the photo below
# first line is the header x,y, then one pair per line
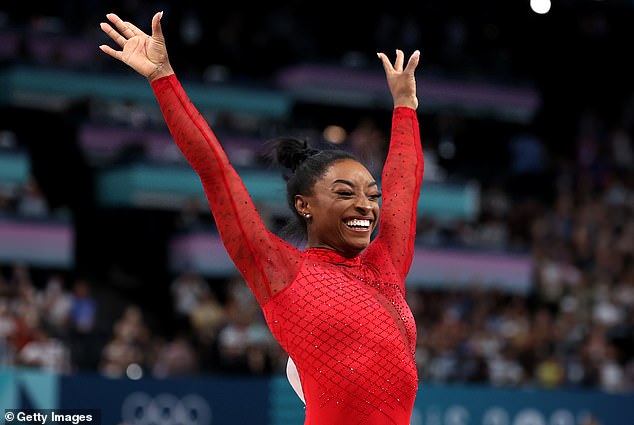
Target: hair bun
x,y
291,152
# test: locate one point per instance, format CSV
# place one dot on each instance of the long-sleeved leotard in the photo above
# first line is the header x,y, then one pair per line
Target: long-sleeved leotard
x,y
343,321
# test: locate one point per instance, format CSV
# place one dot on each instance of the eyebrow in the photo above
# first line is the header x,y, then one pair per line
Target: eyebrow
x,y
349,183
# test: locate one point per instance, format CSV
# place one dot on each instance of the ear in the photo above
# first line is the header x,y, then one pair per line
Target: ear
x,y
302,206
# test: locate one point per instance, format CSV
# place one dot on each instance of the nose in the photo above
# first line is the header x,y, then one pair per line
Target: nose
x,y
363,206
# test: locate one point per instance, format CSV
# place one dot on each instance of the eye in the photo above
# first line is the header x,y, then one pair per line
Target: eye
x,y
374,197
346,193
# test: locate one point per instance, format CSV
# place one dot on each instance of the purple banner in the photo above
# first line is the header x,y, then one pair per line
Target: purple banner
x,y
441,268
40,243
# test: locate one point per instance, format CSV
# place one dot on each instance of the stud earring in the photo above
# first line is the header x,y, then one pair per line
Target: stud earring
x,y
306,215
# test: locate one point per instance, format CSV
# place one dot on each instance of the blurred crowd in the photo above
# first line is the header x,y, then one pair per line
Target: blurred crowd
x,y
575,329
571,210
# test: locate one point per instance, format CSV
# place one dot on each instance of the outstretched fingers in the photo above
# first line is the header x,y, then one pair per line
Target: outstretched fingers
x,y
116,37
387,66
123,27
113,34
134,30
157,31
110,51
412,63
401,82
121,32
398,64
143,53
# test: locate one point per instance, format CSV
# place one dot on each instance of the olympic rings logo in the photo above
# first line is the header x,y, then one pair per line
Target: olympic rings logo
x,y
140,408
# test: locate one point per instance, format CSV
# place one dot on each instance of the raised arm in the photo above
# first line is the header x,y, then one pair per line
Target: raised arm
x,y
266,262
403,169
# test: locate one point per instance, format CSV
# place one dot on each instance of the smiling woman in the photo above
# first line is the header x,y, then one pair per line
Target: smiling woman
x,y
338,306
344,206
334,198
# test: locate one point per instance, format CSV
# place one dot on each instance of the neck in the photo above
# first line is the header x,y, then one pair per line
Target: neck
x,y
347,253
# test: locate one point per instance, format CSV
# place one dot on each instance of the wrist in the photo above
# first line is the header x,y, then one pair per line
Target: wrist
x,y
162,69
406,101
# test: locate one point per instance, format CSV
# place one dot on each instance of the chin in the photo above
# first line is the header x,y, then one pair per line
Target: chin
x,y
354,248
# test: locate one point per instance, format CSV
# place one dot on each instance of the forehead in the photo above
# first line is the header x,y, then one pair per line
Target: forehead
x,y
348,170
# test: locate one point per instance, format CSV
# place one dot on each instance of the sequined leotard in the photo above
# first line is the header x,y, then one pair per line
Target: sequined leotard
x,y
344,322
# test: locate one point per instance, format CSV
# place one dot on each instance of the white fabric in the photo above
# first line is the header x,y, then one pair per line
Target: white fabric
x,y
293,378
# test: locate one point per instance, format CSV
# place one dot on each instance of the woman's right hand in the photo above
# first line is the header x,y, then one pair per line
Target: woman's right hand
x,y
146,54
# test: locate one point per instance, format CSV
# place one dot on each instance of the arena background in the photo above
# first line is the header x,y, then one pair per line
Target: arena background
x,y
526,121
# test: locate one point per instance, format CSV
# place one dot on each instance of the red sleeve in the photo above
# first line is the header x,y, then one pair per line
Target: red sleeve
x,y
266,262
401,183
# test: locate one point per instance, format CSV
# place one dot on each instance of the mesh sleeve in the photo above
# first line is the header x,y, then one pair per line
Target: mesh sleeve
x,y
401,183
266,262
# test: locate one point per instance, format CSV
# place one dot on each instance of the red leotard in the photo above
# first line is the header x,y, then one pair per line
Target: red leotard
x,y
344,322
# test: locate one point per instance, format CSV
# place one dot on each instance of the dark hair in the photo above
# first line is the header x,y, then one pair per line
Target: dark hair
x,y
307,165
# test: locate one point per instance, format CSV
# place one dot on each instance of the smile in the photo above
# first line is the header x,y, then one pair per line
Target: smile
x,y
358,224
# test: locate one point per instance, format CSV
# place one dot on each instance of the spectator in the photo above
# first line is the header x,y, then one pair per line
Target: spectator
x,y
206,321
176,358
82,326
45,352
117,355
131,342
186,290
7,329
56,303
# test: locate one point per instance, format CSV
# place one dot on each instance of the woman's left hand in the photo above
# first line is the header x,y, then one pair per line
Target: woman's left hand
x,y
402,82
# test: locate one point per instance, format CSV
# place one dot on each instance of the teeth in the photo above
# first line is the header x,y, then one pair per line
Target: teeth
x,y
358,223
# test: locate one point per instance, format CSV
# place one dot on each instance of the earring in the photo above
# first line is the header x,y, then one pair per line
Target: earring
x,y
306,215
